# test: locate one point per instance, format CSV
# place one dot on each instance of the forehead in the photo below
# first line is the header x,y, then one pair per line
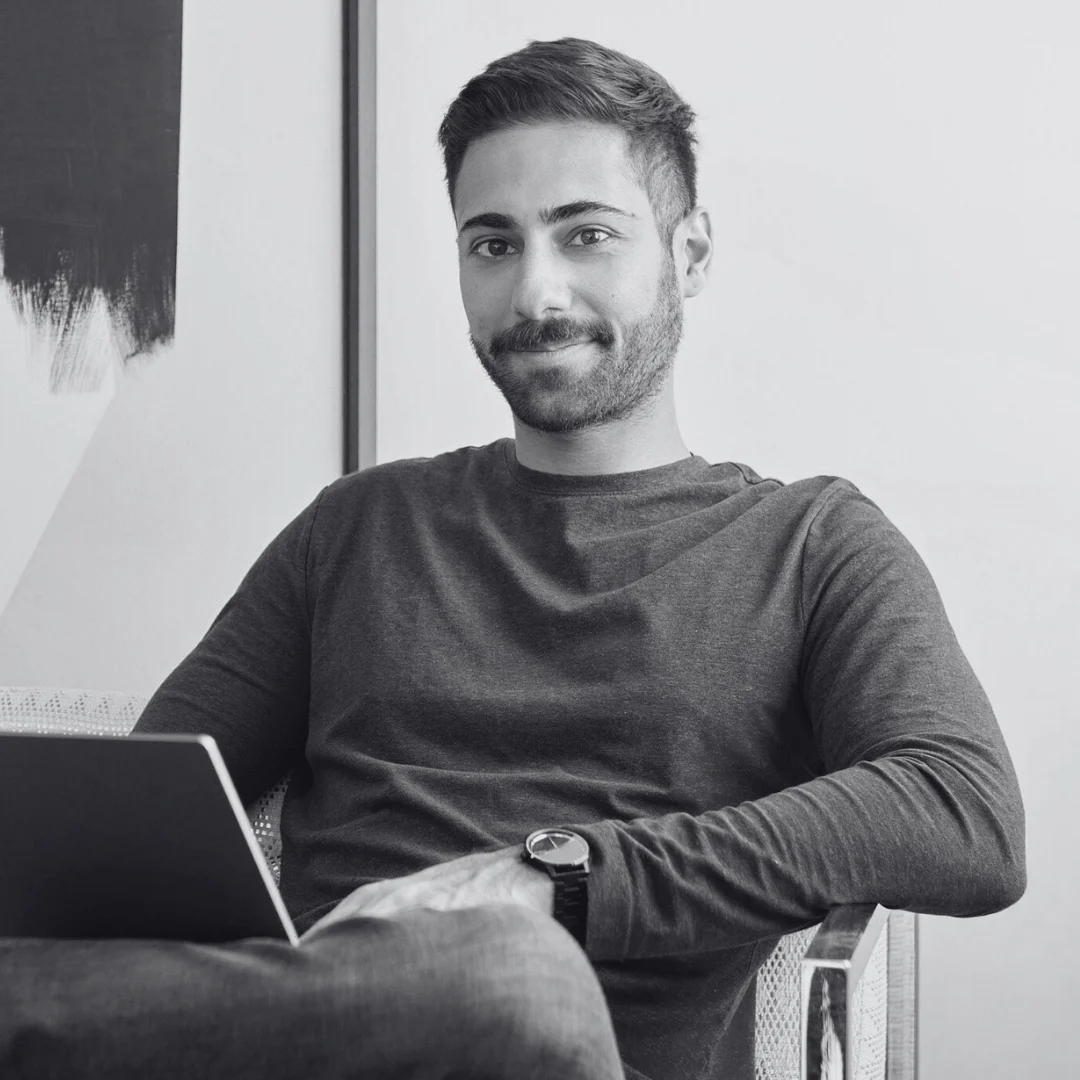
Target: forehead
x,y
523,169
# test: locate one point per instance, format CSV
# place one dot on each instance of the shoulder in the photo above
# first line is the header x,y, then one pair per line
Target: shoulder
x,y
823,504
407,472
406,479
852,549
833,527
838,513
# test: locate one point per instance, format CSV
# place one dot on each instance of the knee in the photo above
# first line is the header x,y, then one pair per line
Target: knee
x,y
489,992
511,946
535,998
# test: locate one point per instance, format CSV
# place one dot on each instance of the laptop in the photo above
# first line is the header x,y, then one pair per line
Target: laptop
x,y
139,836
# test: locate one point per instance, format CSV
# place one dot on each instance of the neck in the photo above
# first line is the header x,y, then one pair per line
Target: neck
x,y
644,440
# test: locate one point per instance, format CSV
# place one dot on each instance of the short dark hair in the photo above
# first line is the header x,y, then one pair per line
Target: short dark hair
x,y
574,79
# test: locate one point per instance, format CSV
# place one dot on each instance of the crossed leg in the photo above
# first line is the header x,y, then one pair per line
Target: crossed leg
x,y
487,993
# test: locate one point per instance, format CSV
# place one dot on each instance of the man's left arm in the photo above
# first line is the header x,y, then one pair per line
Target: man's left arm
x,y
919,808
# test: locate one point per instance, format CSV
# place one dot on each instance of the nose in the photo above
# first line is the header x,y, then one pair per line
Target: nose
x,y
542,288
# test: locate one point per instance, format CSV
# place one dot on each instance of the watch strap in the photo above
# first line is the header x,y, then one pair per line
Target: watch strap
x,y
572,901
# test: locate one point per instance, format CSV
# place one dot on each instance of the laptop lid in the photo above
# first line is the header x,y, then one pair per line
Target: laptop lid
x,y
139,836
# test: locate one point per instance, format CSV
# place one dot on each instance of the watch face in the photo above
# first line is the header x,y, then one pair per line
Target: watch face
x,y
557,847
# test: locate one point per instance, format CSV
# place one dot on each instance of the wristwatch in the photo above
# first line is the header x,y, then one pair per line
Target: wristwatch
x,y
565,857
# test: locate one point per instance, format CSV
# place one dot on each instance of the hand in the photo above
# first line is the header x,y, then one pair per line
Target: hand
x,y
482,878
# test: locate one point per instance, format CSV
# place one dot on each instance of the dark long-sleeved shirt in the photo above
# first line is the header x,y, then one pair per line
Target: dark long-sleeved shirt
x,y
746,695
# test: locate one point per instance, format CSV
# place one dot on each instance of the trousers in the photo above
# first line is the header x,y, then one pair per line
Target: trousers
x,y
486,993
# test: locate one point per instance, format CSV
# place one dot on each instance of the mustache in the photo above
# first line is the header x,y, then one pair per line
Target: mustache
x,y
552,333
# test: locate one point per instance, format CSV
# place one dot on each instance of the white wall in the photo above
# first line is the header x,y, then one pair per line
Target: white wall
x,y
893,193
207,451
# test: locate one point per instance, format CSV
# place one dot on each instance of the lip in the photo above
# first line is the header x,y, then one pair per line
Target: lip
x,y
558,348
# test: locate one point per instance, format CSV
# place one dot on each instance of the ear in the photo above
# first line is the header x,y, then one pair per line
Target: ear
x,y
693,250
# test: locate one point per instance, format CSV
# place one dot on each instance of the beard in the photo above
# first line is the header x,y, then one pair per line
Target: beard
x,y
620,381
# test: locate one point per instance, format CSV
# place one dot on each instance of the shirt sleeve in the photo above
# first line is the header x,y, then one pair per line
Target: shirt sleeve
x,y
247,682
919,807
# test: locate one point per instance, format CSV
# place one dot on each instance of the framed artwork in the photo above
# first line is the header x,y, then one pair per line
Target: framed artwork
x,y
89,151
359,247
172,332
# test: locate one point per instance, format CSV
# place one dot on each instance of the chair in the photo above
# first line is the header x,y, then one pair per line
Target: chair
x,y
834,1002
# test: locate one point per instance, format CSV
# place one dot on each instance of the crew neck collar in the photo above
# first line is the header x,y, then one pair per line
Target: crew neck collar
x,y
599,483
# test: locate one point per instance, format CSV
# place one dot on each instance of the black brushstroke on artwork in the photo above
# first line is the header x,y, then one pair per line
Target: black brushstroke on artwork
x,y
89,155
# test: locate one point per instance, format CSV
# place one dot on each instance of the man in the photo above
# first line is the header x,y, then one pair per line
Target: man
x,y
742,700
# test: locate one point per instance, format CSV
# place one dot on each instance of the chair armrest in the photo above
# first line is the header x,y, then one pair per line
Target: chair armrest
x,y
832,967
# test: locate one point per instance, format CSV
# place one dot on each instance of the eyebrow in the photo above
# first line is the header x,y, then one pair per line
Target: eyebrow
x,y
550,216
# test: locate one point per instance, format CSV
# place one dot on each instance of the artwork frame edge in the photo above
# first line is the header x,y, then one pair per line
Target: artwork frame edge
x,y
359,25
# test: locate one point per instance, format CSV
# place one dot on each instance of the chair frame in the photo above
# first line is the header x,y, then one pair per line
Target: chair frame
x,y
832,967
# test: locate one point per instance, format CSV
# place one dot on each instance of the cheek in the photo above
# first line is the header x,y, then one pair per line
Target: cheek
x,y
479,303
628,296
625,307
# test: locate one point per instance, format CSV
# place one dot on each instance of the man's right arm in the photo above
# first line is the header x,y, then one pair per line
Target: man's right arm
x,y
247,683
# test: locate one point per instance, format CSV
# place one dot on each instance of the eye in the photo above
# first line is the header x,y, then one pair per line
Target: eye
x,y
475,250
602,233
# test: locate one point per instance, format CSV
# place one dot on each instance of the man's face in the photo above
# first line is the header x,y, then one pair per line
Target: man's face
x,y
575,316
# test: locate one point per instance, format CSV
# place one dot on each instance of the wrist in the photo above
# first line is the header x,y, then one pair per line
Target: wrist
x,y
564,856
501,876
529,885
